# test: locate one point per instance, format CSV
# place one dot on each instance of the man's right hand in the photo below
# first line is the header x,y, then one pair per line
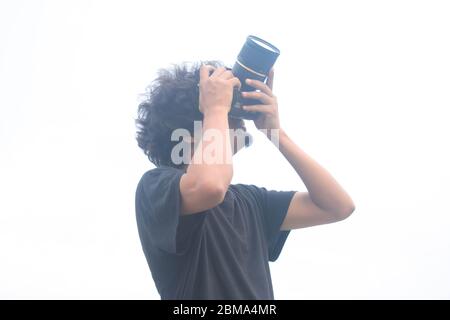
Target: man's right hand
x,y
205,183
216,91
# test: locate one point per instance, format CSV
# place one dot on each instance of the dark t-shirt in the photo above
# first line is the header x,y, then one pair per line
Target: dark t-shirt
x,y
220,253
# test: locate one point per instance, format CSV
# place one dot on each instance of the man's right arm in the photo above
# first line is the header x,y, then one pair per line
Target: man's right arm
x,y
205,183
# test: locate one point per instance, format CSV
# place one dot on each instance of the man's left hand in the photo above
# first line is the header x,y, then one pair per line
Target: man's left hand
x,y
268,119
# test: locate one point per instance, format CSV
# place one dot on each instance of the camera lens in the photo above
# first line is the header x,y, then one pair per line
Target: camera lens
x,y
254,61
264,44
257,55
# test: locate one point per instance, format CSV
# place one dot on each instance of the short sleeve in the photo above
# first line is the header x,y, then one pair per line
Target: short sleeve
x,y
274,206
158,206
275,210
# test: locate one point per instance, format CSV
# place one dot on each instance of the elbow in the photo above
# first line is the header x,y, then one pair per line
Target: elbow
x,y
345,211
213,192
217,194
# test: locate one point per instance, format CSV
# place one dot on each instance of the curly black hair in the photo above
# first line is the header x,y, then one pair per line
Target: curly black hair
x,y
171,102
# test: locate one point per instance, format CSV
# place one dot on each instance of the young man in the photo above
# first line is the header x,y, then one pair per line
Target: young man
x,y
203,237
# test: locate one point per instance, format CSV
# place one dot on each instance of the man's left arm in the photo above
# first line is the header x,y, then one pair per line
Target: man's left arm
x,y
325,201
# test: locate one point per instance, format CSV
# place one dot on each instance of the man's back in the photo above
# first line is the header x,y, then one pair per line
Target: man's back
x,y
220,253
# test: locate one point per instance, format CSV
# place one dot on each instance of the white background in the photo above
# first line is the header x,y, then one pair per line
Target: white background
x,y
363,87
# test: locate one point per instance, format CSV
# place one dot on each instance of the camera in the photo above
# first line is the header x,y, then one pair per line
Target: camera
x,y
254,61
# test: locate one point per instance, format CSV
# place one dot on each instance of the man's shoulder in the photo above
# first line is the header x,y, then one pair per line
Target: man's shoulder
x,y
248,191
158,175
161,171
246,187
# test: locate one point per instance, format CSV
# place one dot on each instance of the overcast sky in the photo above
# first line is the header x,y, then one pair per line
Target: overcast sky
x,y
363,87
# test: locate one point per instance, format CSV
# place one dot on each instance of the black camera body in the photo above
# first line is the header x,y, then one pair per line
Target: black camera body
x,y
254,61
